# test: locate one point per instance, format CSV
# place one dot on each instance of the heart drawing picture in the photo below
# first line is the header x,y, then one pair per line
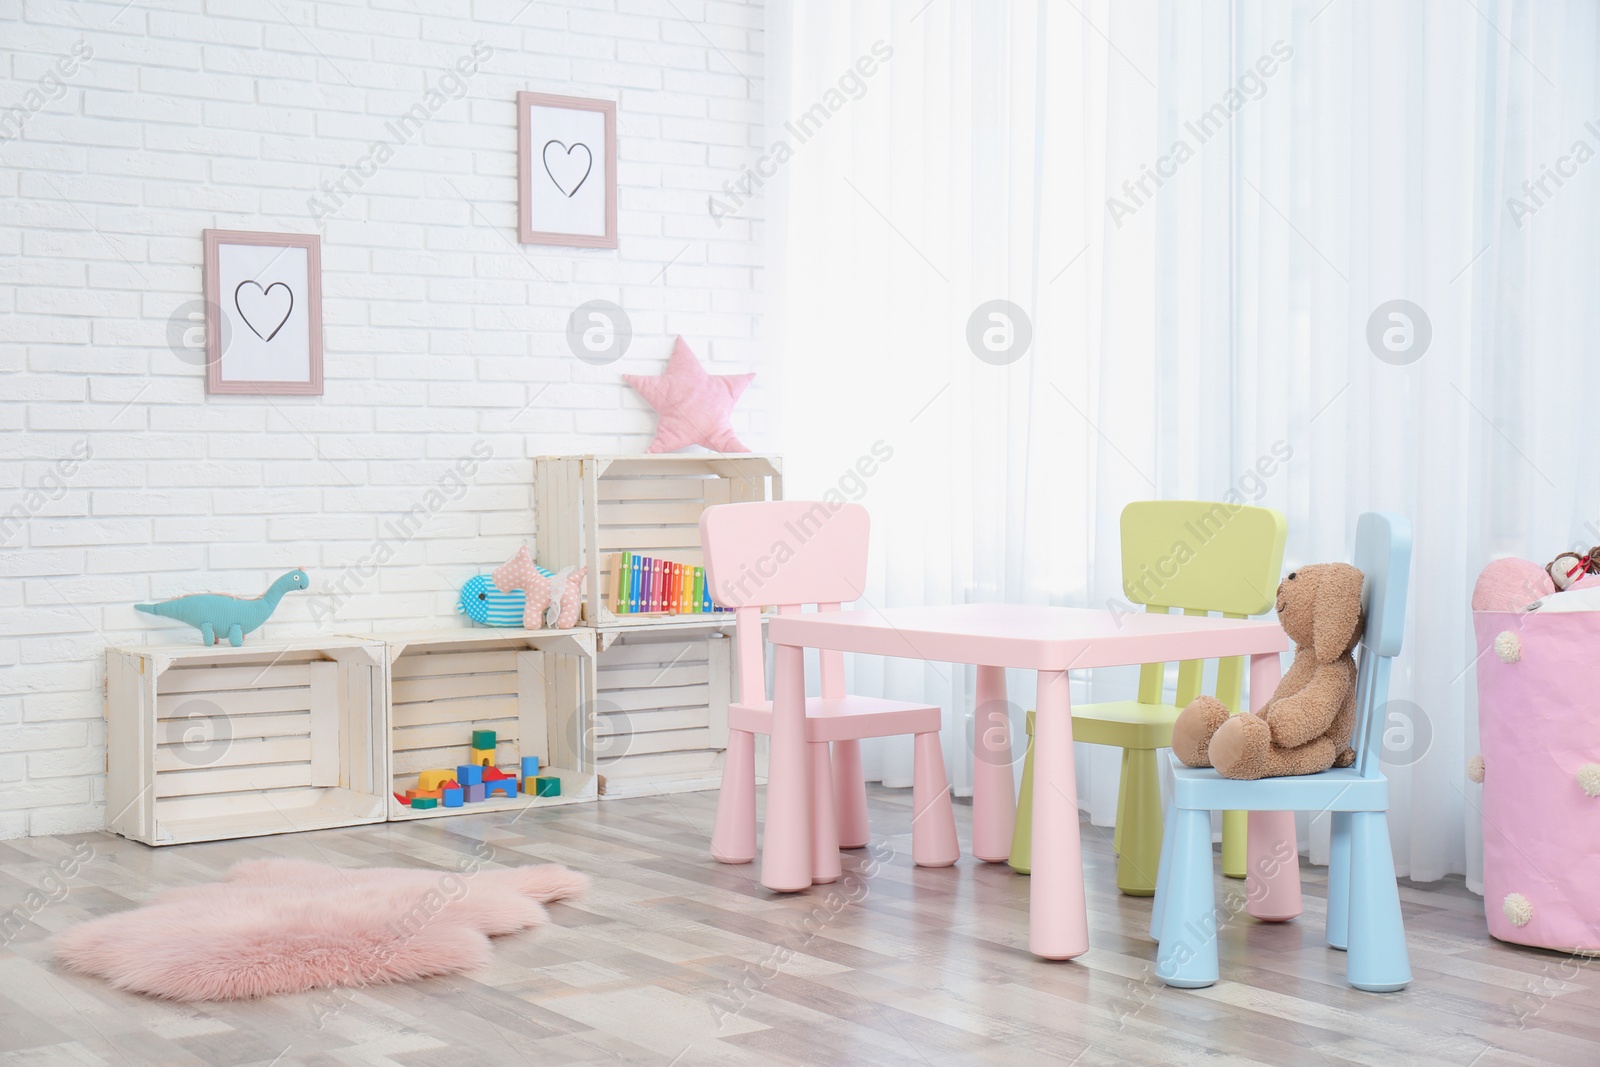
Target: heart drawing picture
x,y
566,168
261,310
566,171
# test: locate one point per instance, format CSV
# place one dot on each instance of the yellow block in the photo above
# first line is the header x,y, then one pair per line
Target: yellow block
x,y
428,780
483,757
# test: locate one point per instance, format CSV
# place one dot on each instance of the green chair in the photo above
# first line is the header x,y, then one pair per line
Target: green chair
x,y
1201,557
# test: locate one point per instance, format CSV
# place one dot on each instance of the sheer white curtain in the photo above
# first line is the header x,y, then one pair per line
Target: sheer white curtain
x,y
1198,208
971,168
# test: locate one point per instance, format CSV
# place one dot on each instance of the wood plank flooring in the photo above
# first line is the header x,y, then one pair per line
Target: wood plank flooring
x,y
677,960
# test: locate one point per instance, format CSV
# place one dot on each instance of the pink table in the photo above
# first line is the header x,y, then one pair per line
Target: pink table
x,y
1048,640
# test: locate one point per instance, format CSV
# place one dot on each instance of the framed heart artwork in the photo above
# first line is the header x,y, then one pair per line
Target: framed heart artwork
x,y
263,313
566,171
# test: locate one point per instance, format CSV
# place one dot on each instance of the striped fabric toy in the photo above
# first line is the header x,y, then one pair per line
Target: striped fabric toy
x,y
484,604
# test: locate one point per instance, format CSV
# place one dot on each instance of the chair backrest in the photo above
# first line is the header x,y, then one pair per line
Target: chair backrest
x,y
1383,555
1201,556
785,553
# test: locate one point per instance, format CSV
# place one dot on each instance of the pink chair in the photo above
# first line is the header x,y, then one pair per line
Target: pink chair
x,y
791,553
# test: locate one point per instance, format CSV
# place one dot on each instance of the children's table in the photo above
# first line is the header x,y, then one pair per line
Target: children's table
x,y
993,637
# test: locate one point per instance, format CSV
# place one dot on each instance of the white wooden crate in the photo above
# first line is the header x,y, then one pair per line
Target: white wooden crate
x,y
525,685
660,710
205,744
590,508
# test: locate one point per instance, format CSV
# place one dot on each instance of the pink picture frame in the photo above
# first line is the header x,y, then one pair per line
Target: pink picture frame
x,y
558,202
263,313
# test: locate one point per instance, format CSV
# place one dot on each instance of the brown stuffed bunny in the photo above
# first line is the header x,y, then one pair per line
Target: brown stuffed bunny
x,y
1306,726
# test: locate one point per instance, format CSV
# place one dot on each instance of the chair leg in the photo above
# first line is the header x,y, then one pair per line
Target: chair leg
x,y
1272,883
825,866
1187,956
1021,859
933,820
850,795
733,834
1235,843
1377,959
1122,804
1339,881
1139,820
1163,871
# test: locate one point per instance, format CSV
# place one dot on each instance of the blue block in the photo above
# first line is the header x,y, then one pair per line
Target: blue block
x,y
453,798
469,774
505,786
530,767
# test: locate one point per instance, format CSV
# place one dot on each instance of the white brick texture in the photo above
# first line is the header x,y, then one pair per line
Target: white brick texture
x,y
129,129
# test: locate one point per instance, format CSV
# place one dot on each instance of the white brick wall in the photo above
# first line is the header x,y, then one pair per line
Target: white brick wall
x,y
439,328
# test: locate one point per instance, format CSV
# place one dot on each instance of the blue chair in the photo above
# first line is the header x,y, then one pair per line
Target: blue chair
x,y
1363,899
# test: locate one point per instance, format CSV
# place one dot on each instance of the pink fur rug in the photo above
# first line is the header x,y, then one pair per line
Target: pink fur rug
x,y
286,926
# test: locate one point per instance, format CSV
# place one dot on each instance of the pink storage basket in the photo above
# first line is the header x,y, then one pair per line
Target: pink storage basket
x,y
1538,727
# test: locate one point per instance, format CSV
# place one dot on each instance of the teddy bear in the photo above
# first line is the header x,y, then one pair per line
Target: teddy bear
x,y
1306,726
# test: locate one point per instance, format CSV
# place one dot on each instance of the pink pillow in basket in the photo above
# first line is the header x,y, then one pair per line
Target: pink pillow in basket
x,y
1510,585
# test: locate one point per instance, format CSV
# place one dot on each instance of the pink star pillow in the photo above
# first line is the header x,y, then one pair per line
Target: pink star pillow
x,y
693,406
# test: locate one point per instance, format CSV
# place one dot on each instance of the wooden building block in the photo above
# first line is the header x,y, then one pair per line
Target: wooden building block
x,y
428,780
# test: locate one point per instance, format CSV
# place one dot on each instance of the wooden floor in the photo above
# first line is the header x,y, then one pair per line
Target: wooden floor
x,y
675,959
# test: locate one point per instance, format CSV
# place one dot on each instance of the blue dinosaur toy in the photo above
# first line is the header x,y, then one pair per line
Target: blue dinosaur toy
x,y
218,615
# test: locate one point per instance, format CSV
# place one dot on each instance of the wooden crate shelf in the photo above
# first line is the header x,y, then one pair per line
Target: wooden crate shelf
x,y
205,744
660,710
526,685
592,507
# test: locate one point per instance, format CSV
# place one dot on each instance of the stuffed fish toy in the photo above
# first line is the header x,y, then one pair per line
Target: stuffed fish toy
x,y
522,593
484,604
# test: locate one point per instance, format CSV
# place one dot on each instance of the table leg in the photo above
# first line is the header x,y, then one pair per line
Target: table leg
x,y
994,804
786,842
1058,925
1272,871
